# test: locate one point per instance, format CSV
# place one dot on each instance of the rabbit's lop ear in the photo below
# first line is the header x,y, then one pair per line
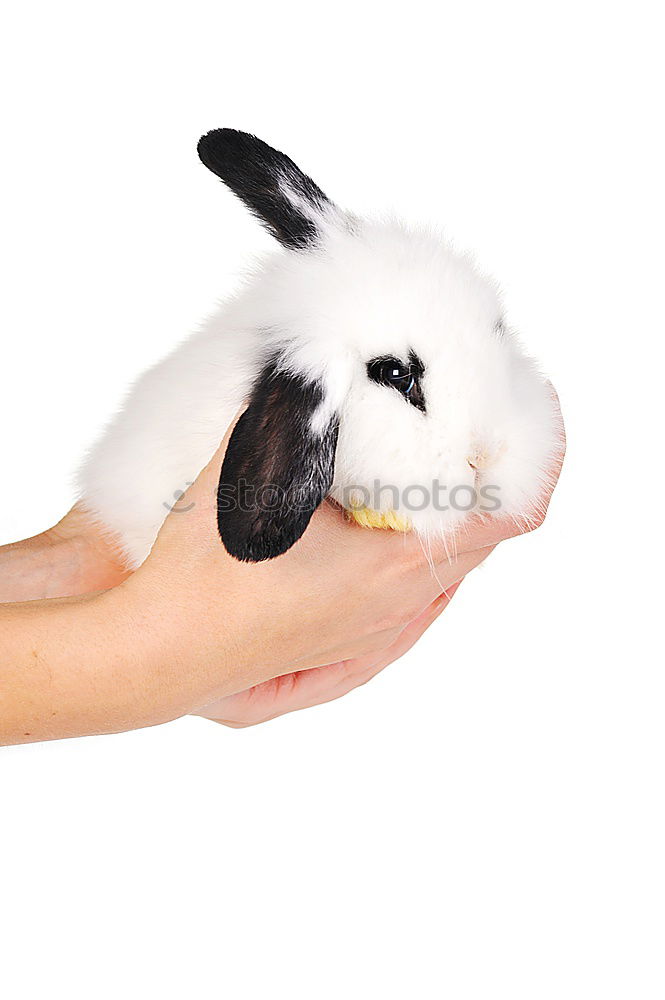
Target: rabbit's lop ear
x,y
277,468
282,197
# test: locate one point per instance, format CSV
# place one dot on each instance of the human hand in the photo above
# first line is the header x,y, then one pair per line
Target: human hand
x,y
340,599
317,685
193,626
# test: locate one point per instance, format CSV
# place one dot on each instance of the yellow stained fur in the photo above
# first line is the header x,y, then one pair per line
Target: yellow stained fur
x,y
387,519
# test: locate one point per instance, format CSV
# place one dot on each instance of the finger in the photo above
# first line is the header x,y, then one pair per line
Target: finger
x,y
412,633
441,577
336,679
487,530
318,685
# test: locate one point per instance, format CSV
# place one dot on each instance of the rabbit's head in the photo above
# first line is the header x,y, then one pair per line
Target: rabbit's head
x,y
387,378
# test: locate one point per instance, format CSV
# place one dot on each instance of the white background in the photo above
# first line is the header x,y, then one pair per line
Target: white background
x,y
486,818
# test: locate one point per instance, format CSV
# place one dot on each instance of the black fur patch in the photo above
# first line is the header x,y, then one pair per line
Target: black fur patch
x,y
276,472
262,178
416,397
404,377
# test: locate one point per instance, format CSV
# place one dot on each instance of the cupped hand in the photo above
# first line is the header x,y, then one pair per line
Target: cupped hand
x,y
317,685
341,596
194,631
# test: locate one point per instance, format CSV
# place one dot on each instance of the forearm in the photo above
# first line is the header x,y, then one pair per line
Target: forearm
x,y
79,667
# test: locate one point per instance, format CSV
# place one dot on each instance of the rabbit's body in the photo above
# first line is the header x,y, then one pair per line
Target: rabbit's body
x,y
171,424
371,355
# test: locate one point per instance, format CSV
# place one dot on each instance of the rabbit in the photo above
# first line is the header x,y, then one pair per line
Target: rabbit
x,y
374,366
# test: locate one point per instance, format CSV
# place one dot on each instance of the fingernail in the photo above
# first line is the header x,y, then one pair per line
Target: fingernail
x,y
447,596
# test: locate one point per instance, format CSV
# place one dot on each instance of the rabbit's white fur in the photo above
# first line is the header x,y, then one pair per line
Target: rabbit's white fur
x,y
368,289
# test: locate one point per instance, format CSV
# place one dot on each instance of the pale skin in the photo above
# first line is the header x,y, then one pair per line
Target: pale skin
x,y
87,647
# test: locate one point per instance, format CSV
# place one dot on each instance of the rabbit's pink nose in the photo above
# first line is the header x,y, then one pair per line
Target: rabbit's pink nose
x,y
478,459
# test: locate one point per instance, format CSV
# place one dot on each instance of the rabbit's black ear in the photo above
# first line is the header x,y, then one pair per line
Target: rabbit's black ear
x,y
287,201
277,469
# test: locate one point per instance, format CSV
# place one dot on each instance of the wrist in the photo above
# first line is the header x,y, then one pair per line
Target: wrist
x,y
71,558
26,567
82,666
172,660
142,662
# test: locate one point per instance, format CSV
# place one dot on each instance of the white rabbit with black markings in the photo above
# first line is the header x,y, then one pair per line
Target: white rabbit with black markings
x,y
375,366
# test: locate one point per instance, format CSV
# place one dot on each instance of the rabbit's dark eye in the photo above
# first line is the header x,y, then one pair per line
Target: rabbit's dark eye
x,y
403,377
390,371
